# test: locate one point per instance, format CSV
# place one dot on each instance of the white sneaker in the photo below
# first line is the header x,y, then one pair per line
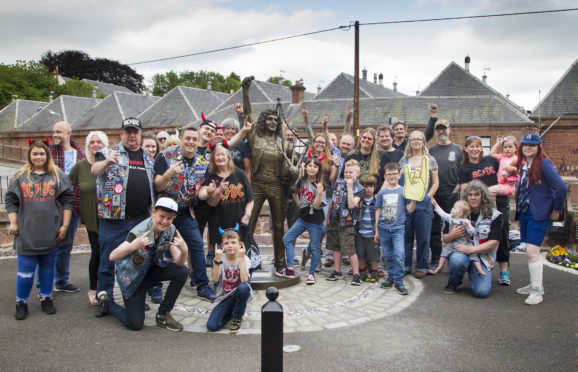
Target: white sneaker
x,y
528,290
310,279
535,296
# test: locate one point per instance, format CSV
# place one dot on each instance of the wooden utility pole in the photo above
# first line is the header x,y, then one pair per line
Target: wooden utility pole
x,y
356,84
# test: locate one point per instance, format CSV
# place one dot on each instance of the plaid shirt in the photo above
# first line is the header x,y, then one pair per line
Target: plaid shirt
x,y
58,159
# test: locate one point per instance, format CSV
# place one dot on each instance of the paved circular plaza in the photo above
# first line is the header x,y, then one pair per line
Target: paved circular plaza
x,y
324,305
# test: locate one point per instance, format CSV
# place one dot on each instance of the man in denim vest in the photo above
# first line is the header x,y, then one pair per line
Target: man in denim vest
x,y
124,195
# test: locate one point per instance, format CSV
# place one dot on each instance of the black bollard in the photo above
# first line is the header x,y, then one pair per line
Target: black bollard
x,y
272,333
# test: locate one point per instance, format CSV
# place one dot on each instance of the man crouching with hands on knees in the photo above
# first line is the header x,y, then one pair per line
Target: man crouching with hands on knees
x,y
152,252
234,291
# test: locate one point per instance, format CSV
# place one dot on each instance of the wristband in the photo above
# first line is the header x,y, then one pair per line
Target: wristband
x,y
217,262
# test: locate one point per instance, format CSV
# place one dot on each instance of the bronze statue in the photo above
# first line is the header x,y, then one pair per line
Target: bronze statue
x,y
270,159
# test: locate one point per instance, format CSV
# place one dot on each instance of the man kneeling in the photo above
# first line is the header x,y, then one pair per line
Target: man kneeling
x,y
153,252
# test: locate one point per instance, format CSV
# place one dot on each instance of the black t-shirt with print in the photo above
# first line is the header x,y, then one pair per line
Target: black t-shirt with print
x,y
138,197
486,171
239,153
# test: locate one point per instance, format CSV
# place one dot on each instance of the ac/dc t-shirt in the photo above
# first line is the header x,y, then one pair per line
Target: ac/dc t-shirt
x,y
138,195
486,171
239,153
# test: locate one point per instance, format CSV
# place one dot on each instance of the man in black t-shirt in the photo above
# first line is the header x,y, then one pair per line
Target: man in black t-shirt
x,y
124,195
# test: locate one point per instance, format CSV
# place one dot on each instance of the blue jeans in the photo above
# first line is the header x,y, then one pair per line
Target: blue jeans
x,y
418,223
393,252
62,264
133,313
25,275
459,264
188,227
315,230
111,233
232,306
323,229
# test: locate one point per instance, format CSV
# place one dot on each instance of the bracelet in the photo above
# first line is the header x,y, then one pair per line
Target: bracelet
x,y
217,262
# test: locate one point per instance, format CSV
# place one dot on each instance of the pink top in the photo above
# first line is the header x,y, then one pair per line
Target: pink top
x,y
504,162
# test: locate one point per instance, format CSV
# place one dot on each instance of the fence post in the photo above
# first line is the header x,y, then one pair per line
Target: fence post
x,y
272,333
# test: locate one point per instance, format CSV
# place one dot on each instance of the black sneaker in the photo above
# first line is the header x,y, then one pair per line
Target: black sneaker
x,y
102,307
21,310
193,283
209,260
356,280
387,284
167,321
450,288
401,289
47,306
235,325
69,288
334,276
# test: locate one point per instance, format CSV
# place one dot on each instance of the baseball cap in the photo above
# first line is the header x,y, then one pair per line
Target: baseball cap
x,y
531,139
442,123
131,122
168,204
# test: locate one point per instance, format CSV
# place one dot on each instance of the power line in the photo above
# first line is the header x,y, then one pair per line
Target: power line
x,y
347,27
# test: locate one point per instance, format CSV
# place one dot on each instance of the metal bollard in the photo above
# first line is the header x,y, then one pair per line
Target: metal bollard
x,y
272,333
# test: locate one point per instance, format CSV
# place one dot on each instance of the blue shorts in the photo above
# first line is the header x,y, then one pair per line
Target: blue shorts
x,y
532,231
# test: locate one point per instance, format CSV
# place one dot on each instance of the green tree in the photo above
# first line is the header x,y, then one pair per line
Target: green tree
x,y
163,83
27,80
275,80
78,88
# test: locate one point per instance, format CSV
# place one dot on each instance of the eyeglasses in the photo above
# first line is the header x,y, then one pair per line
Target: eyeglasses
x,y
162,139
367,138
391,174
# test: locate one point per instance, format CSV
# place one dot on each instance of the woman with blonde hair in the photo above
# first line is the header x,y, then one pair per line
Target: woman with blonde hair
x,y
418,162
80,176
368,157
39,203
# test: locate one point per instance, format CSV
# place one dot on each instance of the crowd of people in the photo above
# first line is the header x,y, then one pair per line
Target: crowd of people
x,y
146,200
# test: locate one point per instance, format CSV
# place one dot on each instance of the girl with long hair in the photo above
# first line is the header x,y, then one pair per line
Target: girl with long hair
x,y
39,203
539,200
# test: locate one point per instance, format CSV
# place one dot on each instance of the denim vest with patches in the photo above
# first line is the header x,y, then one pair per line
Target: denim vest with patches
x,y
183,188
111,185
131,269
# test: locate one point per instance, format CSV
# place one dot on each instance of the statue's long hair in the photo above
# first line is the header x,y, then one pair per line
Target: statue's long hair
x,y
260,125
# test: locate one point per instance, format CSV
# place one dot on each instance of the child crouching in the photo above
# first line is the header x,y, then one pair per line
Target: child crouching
x,y
232,275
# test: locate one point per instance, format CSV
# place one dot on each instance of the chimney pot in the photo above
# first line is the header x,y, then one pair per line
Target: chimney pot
x,y
380,79
364,74
467,63
297,92
375,78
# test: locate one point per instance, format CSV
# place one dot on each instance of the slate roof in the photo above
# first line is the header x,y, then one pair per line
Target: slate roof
x,y
17,112
68,108
456,81
109,113
470,110
342,87
107,88
260,92
562,99
181,106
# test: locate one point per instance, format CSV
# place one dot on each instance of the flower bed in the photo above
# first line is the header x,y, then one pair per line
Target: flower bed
x,y
559,256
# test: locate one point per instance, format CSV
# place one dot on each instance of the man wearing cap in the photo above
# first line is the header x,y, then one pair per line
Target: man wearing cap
x,y
449,156
124,190
152,251
65,154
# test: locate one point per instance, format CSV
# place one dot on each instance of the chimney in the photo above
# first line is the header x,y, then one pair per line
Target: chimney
x,y
209,84
380,79
319,89
364,74
280,80
395,84
374,78
467,63
484,78
297,92
417,93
